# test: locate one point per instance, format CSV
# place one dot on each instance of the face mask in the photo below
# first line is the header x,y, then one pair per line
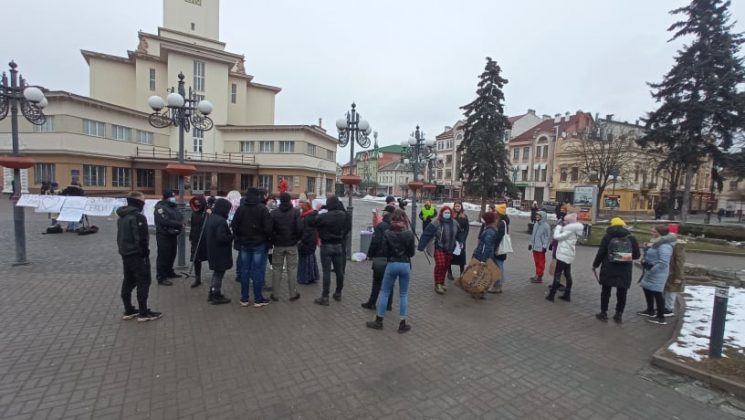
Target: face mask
x,y
172,199
446,216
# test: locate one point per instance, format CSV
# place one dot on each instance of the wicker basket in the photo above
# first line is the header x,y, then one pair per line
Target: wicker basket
x,y
478,277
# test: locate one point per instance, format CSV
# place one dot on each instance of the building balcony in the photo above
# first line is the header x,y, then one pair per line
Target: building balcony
x,y
164,153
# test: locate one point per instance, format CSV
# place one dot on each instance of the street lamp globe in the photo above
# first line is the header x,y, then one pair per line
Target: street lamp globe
x,y
341,124
205,107
43,104
430,143
156,103
412,141
368,131
406,161
33,94
175,100
363,125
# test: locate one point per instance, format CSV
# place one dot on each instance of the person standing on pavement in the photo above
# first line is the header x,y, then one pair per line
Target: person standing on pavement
x,y
333,228
460,216
534,212
285,238
196,236
219,241
132,239
252,225
446,235
676,279
618,249
503,227
489,239
567,236
398,248
656,264
427,214
168,225
307,269
379,260
540,239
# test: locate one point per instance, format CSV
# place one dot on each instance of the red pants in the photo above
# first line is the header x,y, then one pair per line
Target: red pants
x,y
540,262
442,263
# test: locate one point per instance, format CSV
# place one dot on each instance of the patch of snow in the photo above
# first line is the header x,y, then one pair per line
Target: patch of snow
x,y
693,341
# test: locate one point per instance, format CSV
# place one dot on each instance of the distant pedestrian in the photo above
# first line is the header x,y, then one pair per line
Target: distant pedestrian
x,y
427,214
615,257
540,239
198,206
252,226
720,214
446,236
219,240
307,270
379,260
333,228
168,225
656,264
503,226
460,216
132,239
285,238
566,237
676,279
398,248
533,212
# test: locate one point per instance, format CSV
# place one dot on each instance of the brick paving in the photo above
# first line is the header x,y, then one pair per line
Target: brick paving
x,y
64,352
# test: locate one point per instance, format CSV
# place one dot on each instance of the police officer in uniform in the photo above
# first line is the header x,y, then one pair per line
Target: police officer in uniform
x,y
168,225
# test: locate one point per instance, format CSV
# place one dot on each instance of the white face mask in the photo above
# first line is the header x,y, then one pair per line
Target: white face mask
x,y
172,199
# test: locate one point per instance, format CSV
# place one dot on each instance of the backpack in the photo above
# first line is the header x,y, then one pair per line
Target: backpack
x,y
620,250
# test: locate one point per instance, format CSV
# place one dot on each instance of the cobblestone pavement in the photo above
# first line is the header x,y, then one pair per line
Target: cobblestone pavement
x,y
64,352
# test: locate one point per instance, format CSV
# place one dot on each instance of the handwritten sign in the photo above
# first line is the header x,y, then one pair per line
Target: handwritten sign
x,y
72,211
50,204
29,200
149,211
99,206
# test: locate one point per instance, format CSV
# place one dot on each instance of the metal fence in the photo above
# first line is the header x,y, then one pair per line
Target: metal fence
x,y
166,153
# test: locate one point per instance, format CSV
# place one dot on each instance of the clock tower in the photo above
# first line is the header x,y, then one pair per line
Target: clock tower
x,y
194,17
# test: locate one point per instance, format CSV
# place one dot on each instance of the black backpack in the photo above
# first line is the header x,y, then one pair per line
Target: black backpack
x,y
620,250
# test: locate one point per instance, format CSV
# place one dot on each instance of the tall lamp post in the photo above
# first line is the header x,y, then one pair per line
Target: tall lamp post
x,y
417,152
352,129
182,111
31,101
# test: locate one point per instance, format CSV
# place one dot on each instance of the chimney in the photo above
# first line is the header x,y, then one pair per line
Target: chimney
x,y
531,111
566,115
557,118
546,117
320,122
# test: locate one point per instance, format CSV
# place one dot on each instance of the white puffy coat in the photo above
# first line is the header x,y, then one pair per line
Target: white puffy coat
x,y
567,237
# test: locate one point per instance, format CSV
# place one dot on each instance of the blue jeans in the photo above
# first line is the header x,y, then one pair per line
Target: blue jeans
x,y
253,264
393,270
500,264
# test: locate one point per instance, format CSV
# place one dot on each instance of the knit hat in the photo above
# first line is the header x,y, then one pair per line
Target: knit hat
x,y
389,199
617,221
571,218
168,194
303,199
673,228
501,209
333,203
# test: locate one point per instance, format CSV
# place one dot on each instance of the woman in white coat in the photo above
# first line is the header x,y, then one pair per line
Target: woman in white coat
x,y
566,234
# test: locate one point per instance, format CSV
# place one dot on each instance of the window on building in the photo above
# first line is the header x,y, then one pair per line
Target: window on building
x,y
146,178
43,172
439,174
266,147
536,174
199,76
144,137
287,147
545,151
448,159
543,174
121,133
330,185
732,185
524,175
94,176
152,80
94,128
193,26
448,173
450,144
248,147
247,181
311,187
526,153
330,155
290,181
575,174
311,149
47,127
198,141
515,154
121,177
233,93
265,182
200,182
563,176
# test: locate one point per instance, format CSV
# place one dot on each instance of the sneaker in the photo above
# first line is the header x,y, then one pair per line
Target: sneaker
x,y
618,318
669,313
602,316
149,316
219,299
245,303
659,321
450,276
267,288
337,297
648,314
131,314
403,327
439,290
536,280
165,282
261,303
323,301
496,289
368,306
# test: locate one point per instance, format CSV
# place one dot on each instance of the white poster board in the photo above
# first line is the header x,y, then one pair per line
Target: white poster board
x,y
50,204
99,206
149,211
72,211
29,200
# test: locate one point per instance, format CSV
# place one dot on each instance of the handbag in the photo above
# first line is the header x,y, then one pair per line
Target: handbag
x,y
505,247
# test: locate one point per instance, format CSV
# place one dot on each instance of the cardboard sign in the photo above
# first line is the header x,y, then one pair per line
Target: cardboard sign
x,y
29,200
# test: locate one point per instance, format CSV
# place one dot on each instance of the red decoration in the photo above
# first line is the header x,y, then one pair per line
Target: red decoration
x,y
415,185
283,185
16,162
180,169
430,187
351,180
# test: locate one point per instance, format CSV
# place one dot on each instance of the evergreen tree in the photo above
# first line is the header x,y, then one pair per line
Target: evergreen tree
x,y
485,159
702,103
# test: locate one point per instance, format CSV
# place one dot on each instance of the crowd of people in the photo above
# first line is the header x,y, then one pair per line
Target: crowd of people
x,y
288,236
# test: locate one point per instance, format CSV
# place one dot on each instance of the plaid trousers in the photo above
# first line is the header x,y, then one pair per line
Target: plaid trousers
x,y
442,263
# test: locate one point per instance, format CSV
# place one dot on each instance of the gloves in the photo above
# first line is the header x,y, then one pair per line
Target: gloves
x,y
530,247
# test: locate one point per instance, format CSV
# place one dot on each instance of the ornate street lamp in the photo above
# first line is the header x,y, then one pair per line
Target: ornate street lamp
x,y
182,111
417,152
352,129
32,101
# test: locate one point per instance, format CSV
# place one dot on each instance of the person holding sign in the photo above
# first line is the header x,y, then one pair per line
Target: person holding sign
x,y
168,225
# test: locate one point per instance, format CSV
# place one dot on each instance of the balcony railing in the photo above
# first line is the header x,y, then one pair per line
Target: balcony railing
x,y
166,153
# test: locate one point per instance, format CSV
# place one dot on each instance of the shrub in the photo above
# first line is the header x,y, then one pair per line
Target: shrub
x,y
727,232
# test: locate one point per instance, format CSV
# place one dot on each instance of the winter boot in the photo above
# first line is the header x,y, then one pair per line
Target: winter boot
x,y
197,281
552,291
211,296
618,318
377,324
567,296
403,327
602,316
219,299
536,279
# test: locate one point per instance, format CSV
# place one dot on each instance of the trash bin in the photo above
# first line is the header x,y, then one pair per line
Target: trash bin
x,y
530,227
365,239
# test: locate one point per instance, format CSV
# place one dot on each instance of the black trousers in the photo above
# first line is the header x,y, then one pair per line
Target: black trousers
x,y
332,254
166,256
378,267
652,298
136,275
562,267
620,298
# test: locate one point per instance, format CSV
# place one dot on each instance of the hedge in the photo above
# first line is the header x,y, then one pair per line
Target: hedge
x,y
727,232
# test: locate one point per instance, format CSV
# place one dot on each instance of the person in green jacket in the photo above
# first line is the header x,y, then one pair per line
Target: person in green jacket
x,y
427,213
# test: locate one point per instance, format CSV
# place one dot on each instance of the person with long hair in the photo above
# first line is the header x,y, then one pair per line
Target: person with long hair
x,y
460,216
199,214
307,268
503,228
447,237
398,248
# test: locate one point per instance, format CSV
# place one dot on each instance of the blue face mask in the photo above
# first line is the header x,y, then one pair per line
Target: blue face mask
x,y
446,216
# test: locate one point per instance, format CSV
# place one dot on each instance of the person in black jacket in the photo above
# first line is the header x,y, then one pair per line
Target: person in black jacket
x,y
285,238
196,236
398,248
168,225
252,227
219,248
379,261
73,190
307,269
132,239
333,228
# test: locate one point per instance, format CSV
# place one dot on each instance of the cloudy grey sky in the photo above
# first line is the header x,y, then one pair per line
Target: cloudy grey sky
x,y
403,62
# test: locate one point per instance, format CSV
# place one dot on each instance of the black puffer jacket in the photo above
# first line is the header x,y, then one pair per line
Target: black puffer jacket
x,y
308,233
398,244
612,273
252,224
132,236
285,220
376,243
333,226
168,220
218,236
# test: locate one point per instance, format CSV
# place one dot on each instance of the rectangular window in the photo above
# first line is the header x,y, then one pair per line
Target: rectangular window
x,y
198,141
439,174
121,133
265,182
575,174
47,127
266,146
94,176
233,93
94,128
330,185
311,149
199,76
732,185
43,172
330,155
311,187
146,178
199,182
526,153
247,147
515,154
545,151
144,137
121,177
287,147
524,175
536,174
448,159
448,173
247,181
543,174
290,181
152,80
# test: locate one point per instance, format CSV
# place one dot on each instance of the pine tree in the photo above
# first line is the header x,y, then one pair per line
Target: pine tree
x,y
485,159
702,103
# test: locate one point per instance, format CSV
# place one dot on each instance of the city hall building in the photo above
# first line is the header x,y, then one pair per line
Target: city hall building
x,y
107,143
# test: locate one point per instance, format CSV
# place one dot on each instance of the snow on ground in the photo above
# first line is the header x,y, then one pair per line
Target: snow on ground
x,y
693,341
512,212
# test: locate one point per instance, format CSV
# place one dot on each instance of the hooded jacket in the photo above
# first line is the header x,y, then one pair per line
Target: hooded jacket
x,y
567,241
615,274
285,229
540,239
218,237
252,224
168,220
398,244
132,236
334,225
376,243
657,263
489,239
308,233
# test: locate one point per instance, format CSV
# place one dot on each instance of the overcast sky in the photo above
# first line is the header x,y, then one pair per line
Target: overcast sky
x,y
403,62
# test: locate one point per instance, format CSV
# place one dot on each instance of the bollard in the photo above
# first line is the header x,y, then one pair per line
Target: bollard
x,y
718,318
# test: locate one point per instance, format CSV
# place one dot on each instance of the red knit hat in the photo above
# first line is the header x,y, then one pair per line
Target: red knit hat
x,y
673,228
